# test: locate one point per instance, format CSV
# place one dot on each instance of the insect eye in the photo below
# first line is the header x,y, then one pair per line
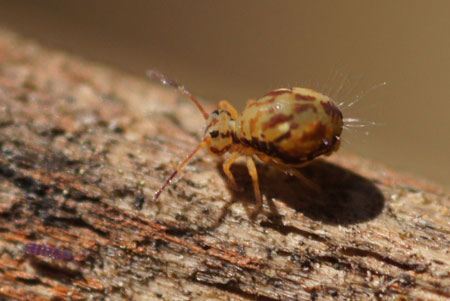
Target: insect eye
x,y
214,134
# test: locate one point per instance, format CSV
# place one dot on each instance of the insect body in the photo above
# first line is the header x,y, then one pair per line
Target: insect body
x,y
286,128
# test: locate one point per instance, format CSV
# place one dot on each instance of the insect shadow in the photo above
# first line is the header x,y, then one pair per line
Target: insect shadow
x,y
343,197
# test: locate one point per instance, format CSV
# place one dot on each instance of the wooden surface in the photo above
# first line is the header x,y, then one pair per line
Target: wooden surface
x,y
83,149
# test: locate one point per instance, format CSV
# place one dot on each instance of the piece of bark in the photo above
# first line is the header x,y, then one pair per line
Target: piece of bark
x,y
84,148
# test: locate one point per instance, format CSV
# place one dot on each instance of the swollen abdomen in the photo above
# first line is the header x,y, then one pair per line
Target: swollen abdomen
x,y
292,126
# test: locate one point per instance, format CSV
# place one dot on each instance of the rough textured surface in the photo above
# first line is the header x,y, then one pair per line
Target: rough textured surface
x,y
83,148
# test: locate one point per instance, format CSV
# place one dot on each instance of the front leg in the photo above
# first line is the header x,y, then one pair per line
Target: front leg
x,y
226,169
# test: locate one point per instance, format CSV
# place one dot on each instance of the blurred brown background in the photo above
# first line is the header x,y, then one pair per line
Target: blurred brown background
x,y
242,49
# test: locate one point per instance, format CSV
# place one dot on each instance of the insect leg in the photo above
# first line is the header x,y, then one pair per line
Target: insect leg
x,y
304,179
226,169
225,105
254,174
180,168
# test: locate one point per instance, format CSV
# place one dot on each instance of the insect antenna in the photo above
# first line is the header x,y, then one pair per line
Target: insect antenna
x,y
155,75
180,168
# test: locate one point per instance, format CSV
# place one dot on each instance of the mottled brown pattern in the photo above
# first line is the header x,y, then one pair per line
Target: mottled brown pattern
x,y
331,109
317,133
287,159
279,118
270,149
298,108
304,97
278,92
262,103
283,137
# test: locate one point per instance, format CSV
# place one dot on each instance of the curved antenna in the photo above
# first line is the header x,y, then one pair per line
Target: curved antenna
x,y
179,168
155,75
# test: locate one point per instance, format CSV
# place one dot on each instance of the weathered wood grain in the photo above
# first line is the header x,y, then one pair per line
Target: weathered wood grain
x,y
82,150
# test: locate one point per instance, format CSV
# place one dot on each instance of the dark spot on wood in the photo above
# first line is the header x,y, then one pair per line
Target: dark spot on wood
x,y
139,201
279,118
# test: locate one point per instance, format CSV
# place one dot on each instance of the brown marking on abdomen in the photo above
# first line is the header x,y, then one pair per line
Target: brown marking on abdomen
x,y
271,150
331,109
299,96
279,118
277,92
261,103
298,108
282,137
317,133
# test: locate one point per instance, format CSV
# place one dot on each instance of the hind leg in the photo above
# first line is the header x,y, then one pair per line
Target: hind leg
x,y
304,179
254,175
